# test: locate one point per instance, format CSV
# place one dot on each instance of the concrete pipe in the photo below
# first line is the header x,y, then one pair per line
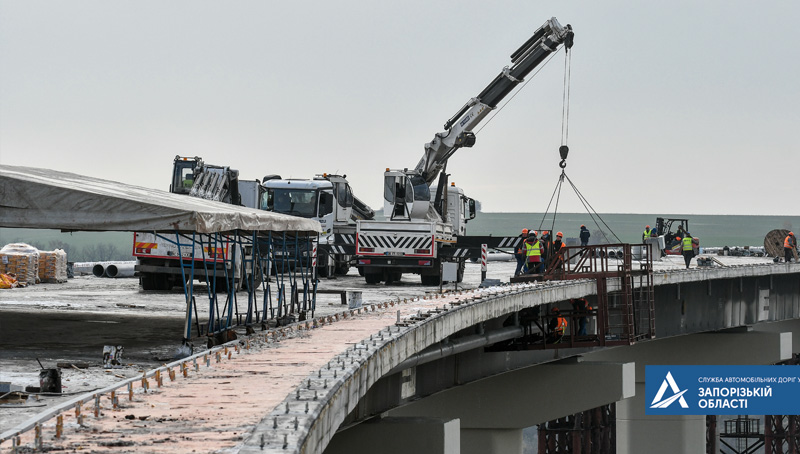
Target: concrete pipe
x,y
99,270
116,270
82,268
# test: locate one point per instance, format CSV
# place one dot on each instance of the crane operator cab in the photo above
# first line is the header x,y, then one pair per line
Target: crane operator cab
x,y
405,196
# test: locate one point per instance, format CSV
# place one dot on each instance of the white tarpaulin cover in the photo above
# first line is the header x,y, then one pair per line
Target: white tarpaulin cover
x,y
47,199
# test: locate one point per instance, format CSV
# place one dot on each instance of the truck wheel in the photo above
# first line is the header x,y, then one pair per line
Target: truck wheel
x,y
361,271
342,270
148,282
373,278
430,279
393,276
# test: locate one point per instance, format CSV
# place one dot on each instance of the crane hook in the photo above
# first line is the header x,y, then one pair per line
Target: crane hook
x,y
563,150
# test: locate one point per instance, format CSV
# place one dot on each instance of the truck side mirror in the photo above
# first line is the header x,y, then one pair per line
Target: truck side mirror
x,y
472,208
325,204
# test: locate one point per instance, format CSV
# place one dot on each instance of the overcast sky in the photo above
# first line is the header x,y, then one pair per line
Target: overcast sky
x,y
676,107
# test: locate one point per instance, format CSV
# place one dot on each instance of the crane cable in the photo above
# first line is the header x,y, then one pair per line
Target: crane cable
x,y
564,151
565,100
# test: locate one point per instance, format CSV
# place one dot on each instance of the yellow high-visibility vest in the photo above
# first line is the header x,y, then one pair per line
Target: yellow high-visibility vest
x,y
533,249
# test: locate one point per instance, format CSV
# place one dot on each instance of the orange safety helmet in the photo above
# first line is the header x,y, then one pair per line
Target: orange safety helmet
x,y
647,226
791,233
559,234
583,225
525,231
678,238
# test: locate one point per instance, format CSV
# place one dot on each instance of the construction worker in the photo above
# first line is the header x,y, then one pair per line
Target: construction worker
x,y
544,241
557,257
789,246
648,233
581,307
688,248
533,253
557,326
584,235
519,253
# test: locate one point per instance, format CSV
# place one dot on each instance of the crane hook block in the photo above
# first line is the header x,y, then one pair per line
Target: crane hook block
x,y
563,150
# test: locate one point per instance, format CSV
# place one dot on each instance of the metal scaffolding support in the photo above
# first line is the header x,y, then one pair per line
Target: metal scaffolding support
x,y
711,434
742,435
250,261
588,432
781,434
624,310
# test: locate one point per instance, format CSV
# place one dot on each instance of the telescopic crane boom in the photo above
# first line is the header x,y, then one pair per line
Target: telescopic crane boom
x,y
458,129
426,233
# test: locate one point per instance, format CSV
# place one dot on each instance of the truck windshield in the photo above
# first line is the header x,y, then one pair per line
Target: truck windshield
x,y
296,202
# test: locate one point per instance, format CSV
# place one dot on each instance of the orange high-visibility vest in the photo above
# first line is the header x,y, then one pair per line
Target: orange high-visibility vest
x,y
562,325
788,241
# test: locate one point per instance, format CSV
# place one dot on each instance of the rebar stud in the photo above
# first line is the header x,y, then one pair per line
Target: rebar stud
x,y
37,440
59,426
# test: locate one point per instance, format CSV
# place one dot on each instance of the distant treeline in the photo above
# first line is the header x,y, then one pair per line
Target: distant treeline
x,y
100,252
79,246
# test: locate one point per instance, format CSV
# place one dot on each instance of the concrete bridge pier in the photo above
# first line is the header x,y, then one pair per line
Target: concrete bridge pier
x,y
493,412
637,432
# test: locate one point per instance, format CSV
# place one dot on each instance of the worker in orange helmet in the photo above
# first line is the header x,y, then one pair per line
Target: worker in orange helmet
x,y
789,247
519,252
648,233
557,257
557,326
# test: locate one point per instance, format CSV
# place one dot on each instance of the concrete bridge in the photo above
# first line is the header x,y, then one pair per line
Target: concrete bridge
x,y
459,379
459,372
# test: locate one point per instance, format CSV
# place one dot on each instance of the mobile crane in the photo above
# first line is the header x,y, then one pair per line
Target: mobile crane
x,y
158,263
329,199
424,223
